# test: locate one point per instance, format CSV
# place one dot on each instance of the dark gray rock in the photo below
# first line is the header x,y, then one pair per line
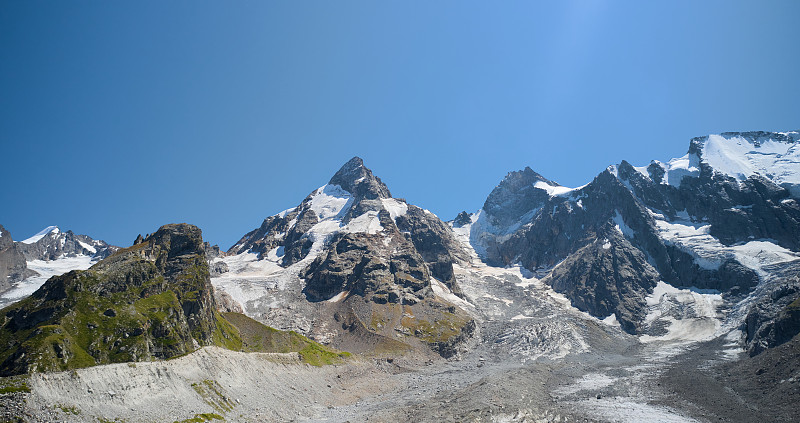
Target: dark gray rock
x,y
13,266
775,318
607,276
462,219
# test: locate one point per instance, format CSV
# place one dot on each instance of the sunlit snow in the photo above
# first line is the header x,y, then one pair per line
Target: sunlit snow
x,y
41,234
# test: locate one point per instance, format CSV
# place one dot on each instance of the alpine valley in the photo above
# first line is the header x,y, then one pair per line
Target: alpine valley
x,y
668,292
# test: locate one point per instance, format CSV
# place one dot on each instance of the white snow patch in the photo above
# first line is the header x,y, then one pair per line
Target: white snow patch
x,y
676,169
41,234
88,247
606,244
338,297
619,223
553,190
521,317
394,207
643,171
611,321
442,291
589,382
368,222
330,201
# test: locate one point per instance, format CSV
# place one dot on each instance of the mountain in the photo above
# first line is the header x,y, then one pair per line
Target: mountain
x,y
50,252
352,255
51,244
13,267
724,217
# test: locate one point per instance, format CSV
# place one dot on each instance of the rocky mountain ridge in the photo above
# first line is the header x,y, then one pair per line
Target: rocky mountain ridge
x,y
696,221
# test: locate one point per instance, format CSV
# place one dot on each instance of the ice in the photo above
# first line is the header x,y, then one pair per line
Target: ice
x,y
41,234
621,409
611,321
690,314
46,270
709,253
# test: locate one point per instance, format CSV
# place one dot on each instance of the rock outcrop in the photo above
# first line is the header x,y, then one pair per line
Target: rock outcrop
x,y
152,300
13,266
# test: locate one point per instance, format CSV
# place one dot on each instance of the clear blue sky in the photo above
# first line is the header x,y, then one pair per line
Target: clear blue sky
x,y
118,117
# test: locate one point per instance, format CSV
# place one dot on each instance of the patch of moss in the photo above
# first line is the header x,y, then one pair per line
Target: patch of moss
x,y
68,409
211,392
203,417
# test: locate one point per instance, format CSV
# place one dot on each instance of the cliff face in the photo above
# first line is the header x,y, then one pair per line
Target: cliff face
x,y
151,300
13,267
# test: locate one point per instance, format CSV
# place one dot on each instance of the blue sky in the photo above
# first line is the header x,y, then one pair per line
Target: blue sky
x,y
119,117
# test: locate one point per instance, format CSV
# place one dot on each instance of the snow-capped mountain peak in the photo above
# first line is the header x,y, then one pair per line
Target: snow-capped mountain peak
x,y
41,234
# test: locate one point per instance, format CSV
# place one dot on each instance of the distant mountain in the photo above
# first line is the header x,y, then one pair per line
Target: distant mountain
x,y
724,217
26,265
51,244
371,259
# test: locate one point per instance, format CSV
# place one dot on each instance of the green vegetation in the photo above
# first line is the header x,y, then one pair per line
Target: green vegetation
x,y
211,392
203,417
68,409
14,384
447,326
257,337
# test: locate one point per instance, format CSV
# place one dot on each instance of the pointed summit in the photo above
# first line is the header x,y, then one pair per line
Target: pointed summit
x,y
358,180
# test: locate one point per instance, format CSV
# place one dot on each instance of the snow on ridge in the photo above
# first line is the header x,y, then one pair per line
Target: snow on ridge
x,y
88,247
553,190
740,158
41,234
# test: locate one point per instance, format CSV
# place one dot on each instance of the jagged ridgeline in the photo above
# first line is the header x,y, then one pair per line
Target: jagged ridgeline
x,y
153,300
